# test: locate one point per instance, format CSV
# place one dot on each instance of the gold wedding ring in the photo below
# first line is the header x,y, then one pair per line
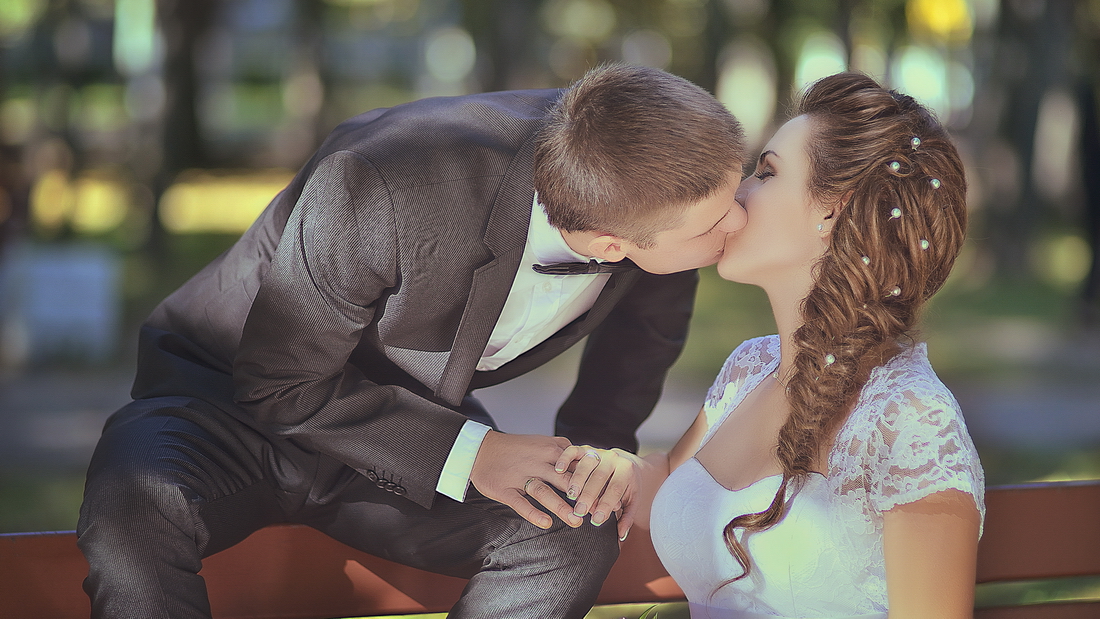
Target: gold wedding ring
x,y
527,483
593,454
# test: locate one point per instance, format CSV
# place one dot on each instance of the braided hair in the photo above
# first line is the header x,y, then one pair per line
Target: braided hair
x,y
898,182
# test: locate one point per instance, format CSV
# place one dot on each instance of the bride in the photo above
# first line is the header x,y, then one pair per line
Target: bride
x,y
829,473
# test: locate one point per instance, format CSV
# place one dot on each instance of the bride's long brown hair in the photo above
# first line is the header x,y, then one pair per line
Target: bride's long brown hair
x,y
899,191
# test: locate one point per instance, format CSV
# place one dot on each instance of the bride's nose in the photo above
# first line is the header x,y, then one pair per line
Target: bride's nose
x,y
741,194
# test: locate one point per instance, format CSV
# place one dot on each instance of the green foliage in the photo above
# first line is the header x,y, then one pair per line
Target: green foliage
x,y
40,502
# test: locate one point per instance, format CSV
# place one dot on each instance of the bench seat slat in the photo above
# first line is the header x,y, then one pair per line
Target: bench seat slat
x,y
1033,531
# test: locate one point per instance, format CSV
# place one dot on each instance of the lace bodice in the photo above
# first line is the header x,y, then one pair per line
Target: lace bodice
x,y
904,440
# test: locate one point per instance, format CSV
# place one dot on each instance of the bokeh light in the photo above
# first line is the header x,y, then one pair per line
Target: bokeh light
x,y
17,16
647,48
747,86
948,21
96,202
136,44
203,201
17,119
591,20
1056,134
822,54
101,203
52,201
449,54
922,73
870,60
1063,260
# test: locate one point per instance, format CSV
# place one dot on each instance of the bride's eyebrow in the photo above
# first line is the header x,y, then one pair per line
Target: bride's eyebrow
x,y
764,155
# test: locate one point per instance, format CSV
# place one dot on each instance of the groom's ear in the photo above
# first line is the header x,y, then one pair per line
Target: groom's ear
x,y
607,247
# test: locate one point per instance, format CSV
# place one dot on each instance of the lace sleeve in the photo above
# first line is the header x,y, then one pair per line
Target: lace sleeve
x,y
920,446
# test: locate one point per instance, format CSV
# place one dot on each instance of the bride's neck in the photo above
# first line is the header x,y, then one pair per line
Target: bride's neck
x,y
786,303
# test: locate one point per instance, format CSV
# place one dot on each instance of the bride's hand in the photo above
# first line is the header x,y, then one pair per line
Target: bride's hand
x,y
604,481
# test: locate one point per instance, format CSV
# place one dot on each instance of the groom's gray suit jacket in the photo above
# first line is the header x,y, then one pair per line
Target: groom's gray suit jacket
x,y
350,317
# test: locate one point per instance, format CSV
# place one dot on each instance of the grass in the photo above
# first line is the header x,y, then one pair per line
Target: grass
x,y
669,610
40,502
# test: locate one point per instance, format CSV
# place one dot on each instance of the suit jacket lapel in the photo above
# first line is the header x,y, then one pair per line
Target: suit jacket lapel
x,y
505,236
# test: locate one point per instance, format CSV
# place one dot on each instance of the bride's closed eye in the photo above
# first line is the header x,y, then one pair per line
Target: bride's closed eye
x,y
764,173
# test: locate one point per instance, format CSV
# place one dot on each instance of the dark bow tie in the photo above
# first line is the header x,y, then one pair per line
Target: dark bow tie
x,y
584,268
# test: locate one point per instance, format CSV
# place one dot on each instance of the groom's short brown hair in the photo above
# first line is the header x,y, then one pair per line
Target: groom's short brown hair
x,y
627,149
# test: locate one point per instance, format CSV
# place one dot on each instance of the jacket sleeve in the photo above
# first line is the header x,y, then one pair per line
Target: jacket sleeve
x,y
625,362
336,259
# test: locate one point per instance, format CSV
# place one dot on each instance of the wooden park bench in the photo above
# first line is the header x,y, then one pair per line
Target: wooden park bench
x,y
1032,531
1042,532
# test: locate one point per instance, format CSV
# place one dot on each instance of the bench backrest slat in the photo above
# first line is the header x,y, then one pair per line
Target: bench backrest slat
x,y
1041,530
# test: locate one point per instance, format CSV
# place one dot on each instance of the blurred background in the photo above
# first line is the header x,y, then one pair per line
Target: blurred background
x,y
139,138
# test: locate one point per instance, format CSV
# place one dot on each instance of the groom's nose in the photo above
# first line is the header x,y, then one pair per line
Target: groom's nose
x,y
735,219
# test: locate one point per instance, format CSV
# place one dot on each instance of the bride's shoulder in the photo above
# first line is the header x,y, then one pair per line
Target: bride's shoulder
x,y
909,438
907,392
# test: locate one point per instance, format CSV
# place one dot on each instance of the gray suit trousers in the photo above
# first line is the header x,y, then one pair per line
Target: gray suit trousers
x,y
174,480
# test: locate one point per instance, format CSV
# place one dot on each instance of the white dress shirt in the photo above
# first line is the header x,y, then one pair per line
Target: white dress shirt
x,y
537,307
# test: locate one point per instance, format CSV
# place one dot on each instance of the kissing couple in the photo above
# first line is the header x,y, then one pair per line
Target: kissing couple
x,y
324,369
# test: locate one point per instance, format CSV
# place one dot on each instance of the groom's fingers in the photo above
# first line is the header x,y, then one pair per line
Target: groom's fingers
x,y
545,495
515,468
518,502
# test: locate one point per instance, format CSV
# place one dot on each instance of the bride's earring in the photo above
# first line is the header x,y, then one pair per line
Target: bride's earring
x,y
820,227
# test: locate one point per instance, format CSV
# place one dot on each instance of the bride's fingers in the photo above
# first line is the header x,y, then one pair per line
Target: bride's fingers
x,y
611,499
619,491
586,462
625,521
568,455
593,485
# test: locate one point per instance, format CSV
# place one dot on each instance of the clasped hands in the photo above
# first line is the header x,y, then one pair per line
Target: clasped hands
x,y
509,468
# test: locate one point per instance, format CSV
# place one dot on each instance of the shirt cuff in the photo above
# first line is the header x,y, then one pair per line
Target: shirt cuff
x,y
455,477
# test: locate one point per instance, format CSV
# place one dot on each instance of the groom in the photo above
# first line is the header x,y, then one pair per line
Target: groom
x,y
320,371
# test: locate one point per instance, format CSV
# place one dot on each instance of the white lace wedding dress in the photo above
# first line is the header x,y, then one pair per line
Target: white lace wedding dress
x,y
904,440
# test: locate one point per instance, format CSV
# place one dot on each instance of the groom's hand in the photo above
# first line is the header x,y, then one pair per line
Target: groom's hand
x,y
511,467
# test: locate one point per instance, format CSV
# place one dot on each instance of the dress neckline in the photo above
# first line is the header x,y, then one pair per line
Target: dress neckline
x,y
751,485
752,382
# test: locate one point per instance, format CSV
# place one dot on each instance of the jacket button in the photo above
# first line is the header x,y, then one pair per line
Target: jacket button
x,y
400,491
372,476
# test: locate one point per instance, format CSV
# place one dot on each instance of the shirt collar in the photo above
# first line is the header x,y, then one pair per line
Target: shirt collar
x,y
546,241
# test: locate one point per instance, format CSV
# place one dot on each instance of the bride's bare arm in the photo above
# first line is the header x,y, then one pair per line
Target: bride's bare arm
x,y
661,464
689,443
931,549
